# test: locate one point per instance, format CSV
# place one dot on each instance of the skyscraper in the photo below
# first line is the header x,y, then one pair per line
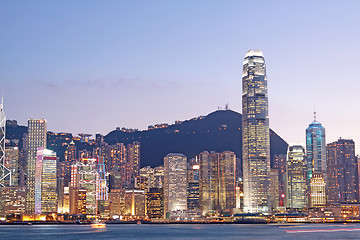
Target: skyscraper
x,y
316,149
296,186
36,138
342,170
5,173
217,182
193,179
133,165
175,182
316,161
255,133
84,177
45,182
226,181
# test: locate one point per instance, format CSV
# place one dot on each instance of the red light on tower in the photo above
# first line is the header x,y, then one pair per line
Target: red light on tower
x,y
41,121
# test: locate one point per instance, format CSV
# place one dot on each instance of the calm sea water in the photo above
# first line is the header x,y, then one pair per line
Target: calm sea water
x,y
193,231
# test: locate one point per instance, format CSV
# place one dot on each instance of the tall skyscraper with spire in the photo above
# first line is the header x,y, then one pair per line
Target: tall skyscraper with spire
x,y
5,173
317,176
316,149
255,133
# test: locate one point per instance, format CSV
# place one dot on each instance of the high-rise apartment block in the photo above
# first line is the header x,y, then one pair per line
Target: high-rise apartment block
x,y
255,133
36,138
296,184
342,171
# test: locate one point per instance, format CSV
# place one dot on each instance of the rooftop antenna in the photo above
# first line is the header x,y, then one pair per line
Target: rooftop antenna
x,y
314,114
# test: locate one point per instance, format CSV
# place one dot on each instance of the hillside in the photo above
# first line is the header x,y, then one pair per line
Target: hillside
x,y
218,131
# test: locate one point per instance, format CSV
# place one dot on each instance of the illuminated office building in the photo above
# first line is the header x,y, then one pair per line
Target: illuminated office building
x,y
316,149
217,182
77,201
117,202
175,183
155,203
146,178
296,178
84,176
208,185
193,180
158,177
342,170
64,201
12,163
12,200
274,189
45,182
255,133
135,203
227,169
280,165
317,190
101,185
36,138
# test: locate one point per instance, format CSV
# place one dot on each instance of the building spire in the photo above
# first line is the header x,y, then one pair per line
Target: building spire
x,y
314,114
2,97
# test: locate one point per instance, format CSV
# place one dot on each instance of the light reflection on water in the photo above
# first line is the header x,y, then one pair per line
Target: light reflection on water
x,y
179,231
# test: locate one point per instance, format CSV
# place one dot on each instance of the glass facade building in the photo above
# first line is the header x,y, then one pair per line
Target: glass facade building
x,y
255,133
36,138
315,149
217,182
84,176
45,182
296,186
5,173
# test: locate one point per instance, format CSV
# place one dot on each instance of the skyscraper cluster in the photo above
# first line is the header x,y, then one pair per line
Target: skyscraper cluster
x,y
318,177
77,177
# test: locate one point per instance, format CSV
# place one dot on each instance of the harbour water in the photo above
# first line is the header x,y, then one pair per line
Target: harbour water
x,y
181,231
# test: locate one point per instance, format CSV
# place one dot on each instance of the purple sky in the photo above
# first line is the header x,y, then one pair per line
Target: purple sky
x,y
91,66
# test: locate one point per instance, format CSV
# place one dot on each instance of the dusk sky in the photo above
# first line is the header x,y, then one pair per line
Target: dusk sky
x,y
91,66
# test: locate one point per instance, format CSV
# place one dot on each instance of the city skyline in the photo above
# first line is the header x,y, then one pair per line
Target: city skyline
x,y
126,63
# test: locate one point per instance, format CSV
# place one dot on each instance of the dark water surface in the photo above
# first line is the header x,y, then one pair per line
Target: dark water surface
x,y
182,231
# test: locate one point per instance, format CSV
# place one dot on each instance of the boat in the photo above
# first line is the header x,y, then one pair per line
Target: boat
x,y
98,224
